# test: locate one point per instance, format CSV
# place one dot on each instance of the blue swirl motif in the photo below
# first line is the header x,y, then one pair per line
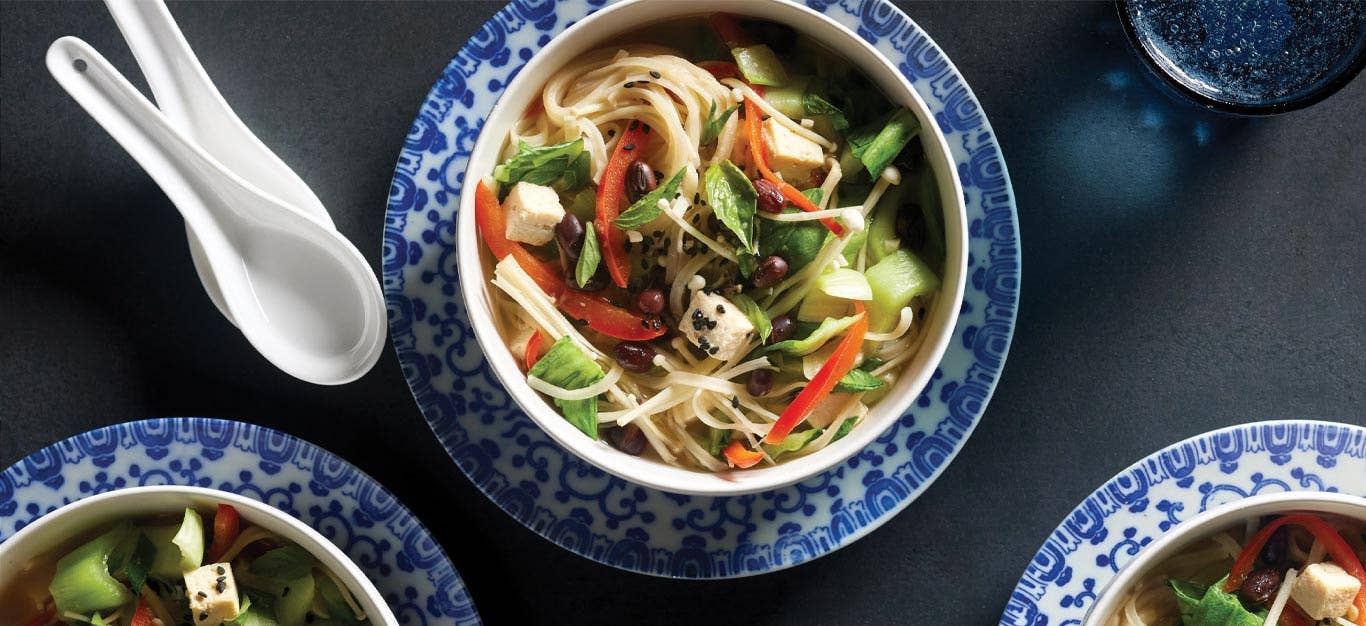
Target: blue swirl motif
x,y
1113,524
333,497
607,519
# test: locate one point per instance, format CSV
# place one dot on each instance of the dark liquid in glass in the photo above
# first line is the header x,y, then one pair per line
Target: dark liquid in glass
x,y
1257,54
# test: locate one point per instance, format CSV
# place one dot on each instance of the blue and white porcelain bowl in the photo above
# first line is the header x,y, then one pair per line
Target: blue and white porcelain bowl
x,y
82,517
1229,515
598,30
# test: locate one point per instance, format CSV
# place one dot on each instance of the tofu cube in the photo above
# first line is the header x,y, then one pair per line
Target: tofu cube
x,y
1325,591
716,326
213,594
790,154
532,213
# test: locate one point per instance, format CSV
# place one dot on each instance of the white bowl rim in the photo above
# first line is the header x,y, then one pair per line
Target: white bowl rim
x,y
648,472
1107,598
332,557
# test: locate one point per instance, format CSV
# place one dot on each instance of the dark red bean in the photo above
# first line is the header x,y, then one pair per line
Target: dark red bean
x,y
760,382
783,329
770,197
769,272
1260,586
634,356
650,301
628,439
640,180
569,236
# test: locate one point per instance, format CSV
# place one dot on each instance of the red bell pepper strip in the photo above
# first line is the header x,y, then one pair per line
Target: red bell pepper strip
x,y
1335,545
759,154
737,455
492,222
839,364
142,616
720,69
226,525
601,315
46,617
533,350
610,192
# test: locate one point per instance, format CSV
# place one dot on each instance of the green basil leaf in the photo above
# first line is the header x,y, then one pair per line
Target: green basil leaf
x,y
589,257
733,199
715,124
815,105
871,363
139,564
748,263
646,209
814,194
285,563
541,165
845,426
798,243
756,315
576,176
858,380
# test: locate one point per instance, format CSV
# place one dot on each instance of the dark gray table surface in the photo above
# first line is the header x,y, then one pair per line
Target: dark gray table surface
x,y
1182,272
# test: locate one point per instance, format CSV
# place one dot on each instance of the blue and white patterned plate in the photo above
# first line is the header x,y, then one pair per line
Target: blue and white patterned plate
x,y
1173,485
348,507
604,518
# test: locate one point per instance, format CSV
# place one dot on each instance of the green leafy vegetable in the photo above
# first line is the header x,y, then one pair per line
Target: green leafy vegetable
x,y
82,583
294,599
798,243
1216,607
566,366
335,602
845,426
577,175
589,256
544,165
584,204
715,123
139,563
858,380
815,105
877,145
733,199
748,263
871,363
646,209
895,281
1187,597
255,611
811,343
756,314
718,438
190,540
282,564
793,442
814,194
759,65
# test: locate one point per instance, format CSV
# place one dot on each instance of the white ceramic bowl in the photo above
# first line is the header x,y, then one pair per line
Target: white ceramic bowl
x,y
598,30
1230,515
90,514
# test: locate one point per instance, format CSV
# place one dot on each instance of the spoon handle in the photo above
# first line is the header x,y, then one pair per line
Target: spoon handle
x,y
192,103
175,164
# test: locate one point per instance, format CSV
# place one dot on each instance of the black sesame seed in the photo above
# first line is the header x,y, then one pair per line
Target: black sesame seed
x,y
611,132
629,146
629,85
735,401
766,118
644,323
655,74
202,594
220,570
741,112
697,314
203,616
635,124
720,309
221,586
285,592
645,128
713,350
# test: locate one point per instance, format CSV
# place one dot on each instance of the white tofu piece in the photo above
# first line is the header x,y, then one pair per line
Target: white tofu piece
x,y
1325,591
213,594
716,326
790,154
532,213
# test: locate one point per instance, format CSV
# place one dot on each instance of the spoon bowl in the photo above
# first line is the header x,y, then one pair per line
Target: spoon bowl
x,y
302,294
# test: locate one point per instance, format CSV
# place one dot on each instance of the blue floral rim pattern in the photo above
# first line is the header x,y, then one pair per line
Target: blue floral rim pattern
x,y
617,523
1170,486
348,507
